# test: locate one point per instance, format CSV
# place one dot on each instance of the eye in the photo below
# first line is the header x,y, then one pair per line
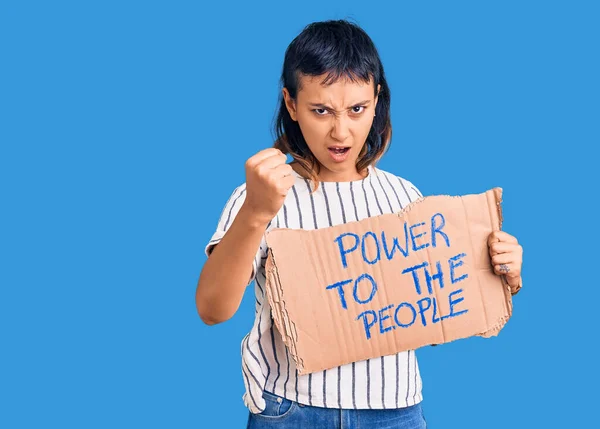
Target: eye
x,y
317,111
319,114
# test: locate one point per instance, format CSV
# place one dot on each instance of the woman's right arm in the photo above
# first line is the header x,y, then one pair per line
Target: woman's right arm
x,y
228,269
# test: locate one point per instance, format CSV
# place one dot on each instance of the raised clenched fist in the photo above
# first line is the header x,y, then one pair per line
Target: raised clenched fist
x,y
268,181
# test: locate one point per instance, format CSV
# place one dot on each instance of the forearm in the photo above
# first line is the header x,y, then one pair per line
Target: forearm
x,y
227,271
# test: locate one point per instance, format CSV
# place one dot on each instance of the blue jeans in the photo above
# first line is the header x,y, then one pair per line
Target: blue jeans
x,y
282,413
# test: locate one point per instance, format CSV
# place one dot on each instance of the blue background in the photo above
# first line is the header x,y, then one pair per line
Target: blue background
x,y
125,126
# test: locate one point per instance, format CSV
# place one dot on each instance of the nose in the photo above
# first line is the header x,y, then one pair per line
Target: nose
x,y
341,128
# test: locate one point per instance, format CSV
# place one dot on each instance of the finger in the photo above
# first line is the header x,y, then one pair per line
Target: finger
x,y
492,238
287,183
264,154
503,247
272,161
509,270
501,236
283,170
504,258
500,269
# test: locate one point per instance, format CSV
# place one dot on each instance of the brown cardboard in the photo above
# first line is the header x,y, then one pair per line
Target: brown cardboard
x,y
321,334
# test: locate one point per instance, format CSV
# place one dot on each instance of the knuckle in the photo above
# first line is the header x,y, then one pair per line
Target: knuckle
x,y
262,170
270,180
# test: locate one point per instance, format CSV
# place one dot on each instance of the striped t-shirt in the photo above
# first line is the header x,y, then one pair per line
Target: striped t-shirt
x,y
391,381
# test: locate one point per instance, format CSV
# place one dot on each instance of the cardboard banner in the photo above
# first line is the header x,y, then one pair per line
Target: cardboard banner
x,y
387,283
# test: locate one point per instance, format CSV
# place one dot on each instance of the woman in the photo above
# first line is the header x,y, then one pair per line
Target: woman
x,y
334,120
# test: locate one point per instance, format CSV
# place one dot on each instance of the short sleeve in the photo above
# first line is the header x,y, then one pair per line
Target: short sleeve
x,y
228,214
412,192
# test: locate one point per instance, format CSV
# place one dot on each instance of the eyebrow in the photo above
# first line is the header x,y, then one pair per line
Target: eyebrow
x,y
331,108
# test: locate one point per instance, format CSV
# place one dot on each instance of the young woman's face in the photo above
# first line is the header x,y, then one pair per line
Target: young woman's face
x,y
338,115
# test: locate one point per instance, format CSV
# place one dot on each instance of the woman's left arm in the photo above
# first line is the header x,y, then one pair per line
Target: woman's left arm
x,y
507,258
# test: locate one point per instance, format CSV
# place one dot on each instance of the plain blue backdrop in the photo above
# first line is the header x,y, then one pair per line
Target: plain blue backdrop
x,y
125,126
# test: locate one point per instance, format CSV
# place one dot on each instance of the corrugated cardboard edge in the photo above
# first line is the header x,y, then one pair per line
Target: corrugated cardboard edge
x,y
495,205
288,329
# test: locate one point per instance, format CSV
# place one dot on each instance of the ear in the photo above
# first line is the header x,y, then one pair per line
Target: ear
x,y
289,103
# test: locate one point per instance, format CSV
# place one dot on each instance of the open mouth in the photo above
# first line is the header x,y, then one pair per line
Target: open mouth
x,y
339,154
339,150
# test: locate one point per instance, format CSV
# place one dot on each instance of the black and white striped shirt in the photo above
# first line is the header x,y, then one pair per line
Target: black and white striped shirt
x,y
385,382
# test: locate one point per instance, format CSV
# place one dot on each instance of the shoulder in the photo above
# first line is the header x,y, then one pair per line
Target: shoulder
x,y
234,203
404,184
235,199
237,194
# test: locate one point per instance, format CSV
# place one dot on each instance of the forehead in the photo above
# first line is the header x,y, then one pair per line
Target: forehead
x,y
341,92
